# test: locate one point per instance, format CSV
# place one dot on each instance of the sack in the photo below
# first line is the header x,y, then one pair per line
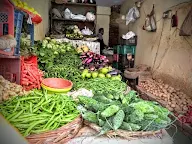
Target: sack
x,y
7,42
132,15
56,13
186,28
150,22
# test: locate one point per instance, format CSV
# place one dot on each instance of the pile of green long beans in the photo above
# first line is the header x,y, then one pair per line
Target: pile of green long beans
x,y
39,112
103,86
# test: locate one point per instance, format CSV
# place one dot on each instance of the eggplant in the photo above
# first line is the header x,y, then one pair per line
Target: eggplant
x,y
83,56
89,61
85,61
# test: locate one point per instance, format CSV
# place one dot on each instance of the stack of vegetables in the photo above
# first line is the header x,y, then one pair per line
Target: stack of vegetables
x,y
187,117
107,72
59,60
93,61
177,101
39,112
8,89
112,109
73,32
105,86
31,76
127,112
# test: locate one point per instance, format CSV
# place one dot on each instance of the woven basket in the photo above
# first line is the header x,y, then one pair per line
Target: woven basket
x,y
58,136
126,134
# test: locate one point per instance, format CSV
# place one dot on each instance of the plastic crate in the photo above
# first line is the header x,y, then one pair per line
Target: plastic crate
x,y
10,69
117,49
131,41
125,49
6,23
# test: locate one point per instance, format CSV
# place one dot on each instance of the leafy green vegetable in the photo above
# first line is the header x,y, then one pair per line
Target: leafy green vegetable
x,y
90,116
118,119
130,126
110,111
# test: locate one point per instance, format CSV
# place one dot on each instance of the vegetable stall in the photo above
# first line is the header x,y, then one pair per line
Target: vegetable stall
x,y
66,85
98,97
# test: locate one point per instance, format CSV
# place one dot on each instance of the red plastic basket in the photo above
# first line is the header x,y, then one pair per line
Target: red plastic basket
x,y
6,22
10,69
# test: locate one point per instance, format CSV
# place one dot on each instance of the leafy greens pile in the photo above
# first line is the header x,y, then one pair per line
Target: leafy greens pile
x,y
59,59
128,112
108,87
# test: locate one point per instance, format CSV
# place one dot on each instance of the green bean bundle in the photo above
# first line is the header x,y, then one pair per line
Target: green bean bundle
x,y
39,112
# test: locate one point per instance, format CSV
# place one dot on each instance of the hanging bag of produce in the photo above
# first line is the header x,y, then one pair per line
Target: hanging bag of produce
x,y
150,22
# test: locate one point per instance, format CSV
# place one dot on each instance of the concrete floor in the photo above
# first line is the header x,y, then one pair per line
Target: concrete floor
x,y
179,137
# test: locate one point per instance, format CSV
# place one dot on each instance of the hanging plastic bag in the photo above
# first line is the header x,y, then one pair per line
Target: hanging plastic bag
x,y
150,22
132,15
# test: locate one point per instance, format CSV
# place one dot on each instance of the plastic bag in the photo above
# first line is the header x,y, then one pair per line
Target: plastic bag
x,y
90,16
56,13
67,14
78,17
132,15
150,22
7,42
86,31
128,35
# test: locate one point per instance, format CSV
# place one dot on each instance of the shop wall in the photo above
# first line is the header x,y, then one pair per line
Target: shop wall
x,y
169,54
42,7
103,20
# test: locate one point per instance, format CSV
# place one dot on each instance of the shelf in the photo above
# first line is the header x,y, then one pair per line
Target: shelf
x,y
78,4
9,57
72,20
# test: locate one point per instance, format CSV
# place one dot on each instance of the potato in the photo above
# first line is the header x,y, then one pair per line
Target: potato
x,y
185,108
173,105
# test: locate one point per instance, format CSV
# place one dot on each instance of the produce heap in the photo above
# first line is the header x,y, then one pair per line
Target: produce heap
x,y
123,111
59,59
106,100
73,32
177,101
39,112
8,90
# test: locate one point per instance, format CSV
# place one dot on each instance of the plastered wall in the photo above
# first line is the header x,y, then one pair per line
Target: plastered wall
x,y
169,54
42,7
103,20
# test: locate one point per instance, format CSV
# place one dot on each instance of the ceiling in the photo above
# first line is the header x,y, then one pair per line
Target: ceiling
x,y
109,2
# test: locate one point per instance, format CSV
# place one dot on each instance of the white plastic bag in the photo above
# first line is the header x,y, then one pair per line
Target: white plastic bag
x,y
67,14
78,17
90,16
129,35
86,31
132,15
